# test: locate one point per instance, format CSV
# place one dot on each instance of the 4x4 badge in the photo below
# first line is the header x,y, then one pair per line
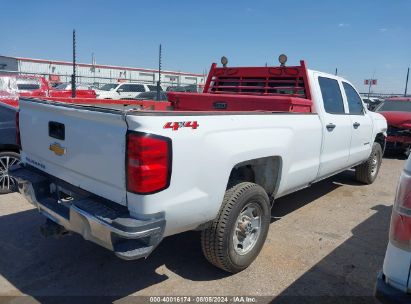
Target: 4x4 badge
x,y
181,124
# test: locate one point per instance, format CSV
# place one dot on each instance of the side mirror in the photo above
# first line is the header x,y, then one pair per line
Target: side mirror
x,y
120,90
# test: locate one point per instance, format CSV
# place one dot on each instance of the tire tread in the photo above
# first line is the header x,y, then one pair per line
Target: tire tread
x,y
362,172
212,238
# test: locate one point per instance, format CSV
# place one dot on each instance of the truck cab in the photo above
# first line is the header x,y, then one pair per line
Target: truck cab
x,y
349,125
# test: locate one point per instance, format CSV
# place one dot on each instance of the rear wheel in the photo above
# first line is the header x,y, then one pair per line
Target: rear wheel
x,y
7,183
367,172
237,235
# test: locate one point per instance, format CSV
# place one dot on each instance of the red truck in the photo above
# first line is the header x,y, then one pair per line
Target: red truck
x,y
14,86
38,86
32,86
397,112
64,90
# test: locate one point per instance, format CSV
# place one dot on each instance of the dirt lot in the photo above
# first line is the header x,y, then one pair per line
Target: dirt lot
x,y
329,239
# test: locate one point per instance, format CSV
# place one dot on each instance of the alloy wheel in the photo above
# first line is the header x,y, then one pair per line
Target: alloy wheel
x,y
7,182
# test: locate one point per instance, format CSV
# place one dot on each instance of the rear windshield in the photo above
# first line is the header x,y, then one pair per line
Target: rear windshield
x,y
393,105
28,84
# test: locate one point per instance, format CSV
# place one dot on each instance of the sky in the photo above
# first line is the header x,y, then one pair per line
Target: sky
x,y
362,39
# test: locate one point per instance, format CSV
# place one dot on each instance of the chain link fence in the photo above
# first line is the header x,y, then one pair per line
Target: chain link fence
x,y
167,82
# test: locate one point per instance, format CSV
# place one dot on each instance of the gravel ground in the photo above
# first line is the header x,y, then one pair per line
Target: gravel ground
x,y
329,240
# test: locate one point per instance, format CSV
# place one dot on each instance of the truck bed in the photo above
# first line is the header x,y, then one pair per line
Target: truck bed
x,y
204,105
93,135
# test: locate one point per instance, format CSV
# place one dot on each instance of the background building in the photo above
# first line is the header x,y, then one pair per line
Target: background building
x,y
60,71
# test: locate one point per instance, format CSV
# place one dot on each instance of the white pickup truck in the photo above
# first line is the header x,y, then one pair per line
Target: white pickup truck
x,y
215,162
125,90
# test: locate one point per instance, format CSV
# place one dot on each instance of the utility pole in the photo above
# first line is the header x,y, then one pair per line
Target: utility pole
x,y
159,74
369,88
73,76
370,83
93,63
336,71
406,82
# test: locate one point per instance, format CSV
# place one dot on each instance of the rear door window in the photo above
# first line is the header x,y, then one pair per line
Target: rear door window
x,y
137,88
354,101
331,93
124,87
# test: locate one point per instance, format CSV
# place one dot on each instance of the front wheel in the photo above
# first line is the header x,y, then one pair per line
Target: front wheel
x,y
7,183
367,172
237,235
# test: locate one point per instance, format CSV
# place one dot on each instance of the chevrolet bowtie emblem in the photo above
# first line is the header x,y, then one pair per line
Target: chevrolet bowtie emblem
x,y
57,149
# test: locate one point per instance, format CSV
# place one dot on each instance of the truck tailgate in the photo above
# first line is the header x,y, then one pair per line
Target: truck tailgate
x,y
82,146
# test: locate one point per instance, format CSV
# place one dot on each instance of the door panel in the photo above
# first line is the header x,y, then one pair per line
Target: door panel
x,y
336,144
337,128
361,141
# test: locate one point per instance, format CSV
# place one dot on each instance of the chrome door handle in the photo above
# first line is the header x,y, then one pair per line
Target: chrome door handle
x,y
356,125
330,126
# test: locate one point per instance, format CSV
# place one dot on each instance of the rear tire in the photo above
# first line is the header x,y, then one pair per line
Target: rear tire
x,y
236,236
367,172
7,183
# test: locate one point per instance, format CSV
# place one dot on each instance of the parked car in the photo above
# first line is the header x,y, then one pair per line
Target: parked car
x,y
125,90
214,163
371,102
9,91
152,96
183,88
64,90
394,281
32,86
397,111
9,150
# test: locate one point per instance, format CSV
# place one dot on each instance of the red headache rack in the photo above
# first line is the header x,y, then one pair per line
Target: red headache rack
x,y
284,88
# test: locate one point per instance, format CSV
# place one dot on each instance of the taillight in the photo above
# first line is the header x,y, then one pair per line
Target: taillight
x,y
148,163
400,228
18,140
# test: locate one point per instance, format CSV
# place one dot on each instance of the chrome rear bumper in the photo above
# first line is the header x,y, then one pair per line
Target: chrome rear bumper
x,y
96,219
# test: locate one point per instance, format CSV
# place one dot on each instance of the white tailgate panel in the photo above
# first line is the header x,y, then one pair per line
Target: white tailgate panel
x,y
94,142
